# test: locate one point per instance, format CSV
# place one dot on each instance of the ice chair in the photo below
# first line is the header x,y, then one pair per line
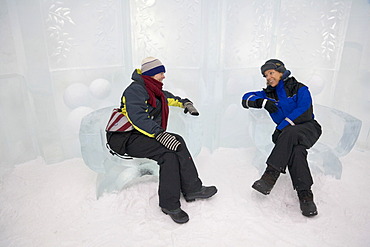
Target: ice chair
x,y
115,173
340,133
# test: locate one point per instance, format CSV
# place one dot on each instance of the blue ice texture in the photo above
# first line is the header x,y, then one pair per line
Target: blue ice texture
x,y
115,173
340,133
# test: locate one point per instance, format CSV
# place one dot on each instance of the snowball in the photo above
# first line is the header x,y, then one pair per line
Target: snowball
x,y
100,88
316,84
77,94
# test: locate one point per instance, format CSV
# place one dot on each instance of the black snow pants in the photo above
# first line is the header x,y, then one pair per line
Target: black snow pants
x,y
177,171
290,151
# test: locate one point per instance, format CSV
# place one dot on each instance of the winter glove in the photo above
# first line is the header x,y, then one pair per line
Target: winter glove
x,y
244,103
190,108
276,135
168,140
267,104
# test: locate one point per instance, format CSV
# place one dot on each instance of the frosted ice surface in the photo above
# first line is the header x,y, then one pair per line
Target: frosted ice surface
x,y
115,173
340,133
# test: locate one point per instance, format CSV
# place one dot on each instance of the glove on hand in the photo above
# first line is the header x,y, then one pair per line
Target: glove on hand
x,y
269,105
276,135
168,140
190,108
244,103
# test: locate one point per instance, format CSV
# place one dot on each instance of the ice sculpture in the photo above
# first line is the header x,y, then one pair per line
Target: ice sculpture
x,y
340,133
115,173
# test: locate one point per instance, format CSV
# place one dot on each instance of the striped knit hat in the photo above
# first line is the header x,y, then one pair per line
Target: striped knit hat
x,y
151,66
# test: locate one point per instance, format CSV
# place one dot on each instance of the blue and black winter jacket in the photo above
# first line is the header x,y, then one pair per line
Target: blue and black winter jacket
x,y
292,98
145,118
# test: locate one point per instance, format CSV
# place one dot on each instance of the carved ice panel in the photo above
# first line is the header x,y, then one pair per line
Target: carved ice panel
x,y
312,32
248,32
83,33
169,30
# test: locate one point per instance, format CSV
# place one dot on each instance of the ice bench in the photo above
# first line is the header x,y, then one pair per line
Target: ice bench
x,y
115,173
340,133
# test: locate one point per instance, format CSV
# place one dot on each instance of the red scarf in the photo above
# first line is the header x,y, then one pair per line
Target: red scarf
x,y
154,89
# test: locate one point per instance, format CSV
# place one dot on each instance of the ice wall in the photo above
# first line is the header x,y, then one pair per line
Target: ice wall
x,y
60,60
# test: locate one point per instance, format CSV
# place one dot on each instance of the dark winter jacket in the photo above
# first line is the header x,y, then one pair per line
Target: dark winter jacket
x,y
143,117
292,98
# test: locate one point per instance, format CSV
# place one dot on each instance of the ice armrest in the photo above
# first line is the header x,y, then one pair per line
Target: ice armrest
x,y
340,129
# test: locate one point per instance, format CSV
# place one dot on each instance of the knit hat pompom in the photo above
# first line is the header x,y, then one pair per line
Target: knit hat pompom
x,y
273,64
151,66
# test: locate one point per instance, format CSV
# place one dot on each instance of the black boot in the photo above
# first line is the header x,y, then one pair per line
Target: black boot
x,y
267,181
203,193
177,215
307,205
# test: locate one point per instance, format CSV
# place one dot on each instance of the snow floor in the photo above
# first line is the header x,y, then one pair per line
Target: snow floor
x,y
55,205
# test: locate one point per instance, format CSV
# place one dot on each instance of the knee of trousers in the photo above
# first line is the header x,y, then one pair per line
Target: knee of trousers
x,y
296,136
178,137
169,157
300,149
290,131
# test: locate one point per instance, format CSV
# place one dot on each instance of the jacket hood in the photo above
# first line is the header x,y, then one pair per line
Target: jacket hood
x,y
136,75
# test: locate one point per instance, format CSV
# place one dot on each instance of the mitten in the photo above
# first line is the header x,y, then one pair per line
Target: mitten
x,y
267,104
276,135
189,107
168,140
271,107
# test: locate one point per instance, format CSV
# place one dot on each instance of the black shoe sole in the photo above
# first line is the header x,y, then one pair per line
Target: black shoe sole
x,y
309,214
193,198
257,186
189,200
179,221
308,209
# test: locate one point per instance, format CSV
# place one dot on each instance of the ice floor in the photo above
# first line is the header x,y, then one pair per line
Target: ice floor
x,y
55,205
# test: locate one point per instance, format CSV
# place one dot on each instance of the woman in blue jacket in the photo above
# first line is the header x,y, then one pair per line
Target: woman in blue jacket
x,y
289,104
139,130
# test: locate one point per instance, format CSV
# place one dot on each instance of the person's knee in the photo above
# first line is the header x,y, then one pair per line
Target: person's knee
x,y
290,134
182,146
167,158
178,137
290,131
300,149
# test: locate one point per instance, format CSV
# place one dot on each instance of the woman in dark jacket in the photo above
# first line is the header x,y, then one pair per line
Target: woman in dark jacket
x,y
140,131
289,104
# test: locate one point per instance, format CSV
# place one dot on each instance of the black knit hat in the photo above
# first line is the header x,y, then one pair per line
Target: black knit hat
x,y
273,64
